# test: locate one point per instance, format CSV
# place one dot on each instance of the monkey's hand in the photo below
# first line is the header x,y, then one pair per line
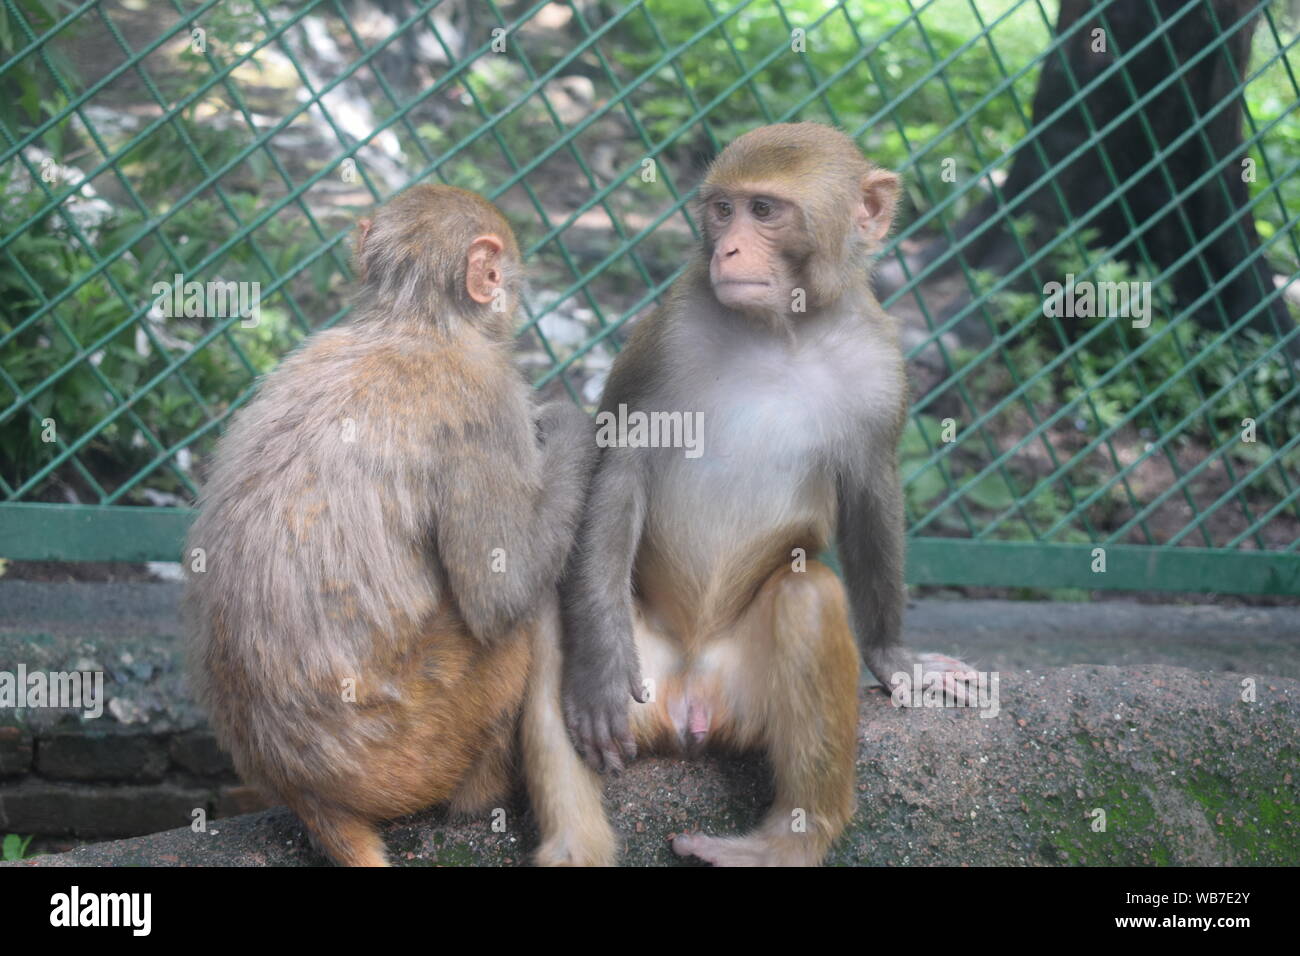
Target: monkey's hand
x,y
595,696
568,439
564,424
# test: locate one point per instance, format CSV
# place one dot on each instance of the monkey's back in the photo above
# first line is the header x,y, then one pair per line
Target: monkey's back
x,y
315,522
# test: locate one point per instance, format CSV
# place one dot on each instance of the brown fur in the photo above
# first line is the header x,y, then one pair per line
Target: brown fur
x,y
350,525
683,571
786,683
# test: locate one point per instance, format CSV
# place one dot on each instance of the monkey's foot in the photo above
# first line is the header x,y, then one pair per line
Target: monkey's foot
x,y
945,673
908,678
346,840
757,850
593,844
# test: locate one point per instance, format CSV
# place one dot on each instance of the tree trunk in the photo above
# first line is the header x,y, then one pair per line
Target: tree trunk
x,y
1168,228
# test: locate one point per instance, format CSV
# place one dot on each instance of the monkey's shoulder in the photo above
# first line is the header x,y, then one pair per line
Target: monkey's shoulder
x,y
874,370
407,381
644,367
352,403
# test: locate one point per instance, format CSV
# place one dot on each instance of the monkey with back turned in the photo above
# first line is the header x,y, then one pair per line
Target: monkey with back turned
x,y
382,532
687,571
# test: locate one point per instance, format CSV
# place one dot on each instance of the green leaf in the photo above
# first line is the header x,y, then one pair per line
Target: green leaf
x,y
926,487
14,846
990,492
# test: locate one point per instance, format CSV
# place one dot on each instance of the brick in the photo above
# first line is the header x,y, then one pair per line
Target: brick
x,y
102,811
198,753
15,751
125,757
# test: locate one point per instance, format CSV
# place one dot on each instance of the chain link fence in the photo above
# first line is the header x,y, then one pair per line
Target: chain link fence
x,y
1095,266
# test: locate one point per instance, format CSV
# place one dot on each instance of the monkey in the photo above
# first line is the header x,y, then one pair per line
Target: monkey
x,y
699,574
381,534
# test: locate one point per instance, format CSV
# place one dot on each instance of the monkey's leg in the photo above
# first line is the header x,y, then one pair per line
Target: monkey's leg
x,y
487,784
444,733
501,676
802,692
566,794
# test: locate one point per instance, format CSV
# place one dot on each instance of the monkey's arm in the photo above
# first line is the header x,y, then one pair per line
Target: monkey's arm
x,y
503,531
870,539
600,660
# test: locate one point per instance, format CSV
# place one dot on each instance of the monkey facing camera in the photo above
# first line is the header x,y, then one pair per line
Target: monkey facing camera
x,y
682,577
382,529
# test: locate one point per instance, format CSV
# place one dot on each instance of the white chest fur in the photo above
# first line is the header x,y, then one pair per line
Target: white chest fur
x,y
780,418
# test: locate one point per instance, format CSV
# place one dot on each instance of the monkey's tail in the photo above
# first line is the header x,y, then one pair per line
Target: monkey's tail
x,y
342,835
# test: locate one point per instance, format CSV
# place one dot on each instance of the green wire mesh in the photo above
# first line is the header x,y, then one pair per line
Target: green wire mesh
x,y
237,141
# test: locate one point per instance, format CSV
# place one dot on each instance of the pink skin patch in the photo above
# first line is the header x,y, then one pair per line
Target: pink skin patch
x,y
697,720
691,718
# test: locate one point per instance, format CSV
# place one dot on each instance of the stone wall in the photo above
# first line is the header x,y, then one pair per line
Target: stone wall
x,y
93,784
148,760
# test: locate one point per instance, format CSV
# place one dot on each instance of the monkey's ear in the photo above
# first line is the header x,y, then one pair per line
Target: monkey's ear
x,y
363,233
880,192
483,277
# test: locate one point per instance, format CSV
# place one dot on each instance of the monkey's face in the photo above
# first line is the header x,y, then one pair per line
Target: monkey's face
x,y
792,213
758,248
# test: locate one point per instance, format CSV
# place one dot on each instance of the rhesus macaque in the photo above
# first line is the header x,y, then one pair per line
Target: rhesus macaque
x,y
697,573
382,534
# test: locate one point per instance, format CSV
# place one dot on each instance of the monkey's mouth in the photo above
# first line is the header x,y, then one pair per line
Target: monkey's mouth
x,y
757,282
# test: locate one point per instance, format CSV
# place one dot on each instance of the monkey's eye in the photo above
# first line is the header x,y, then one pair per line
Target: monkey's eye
x,y
761,208
722,208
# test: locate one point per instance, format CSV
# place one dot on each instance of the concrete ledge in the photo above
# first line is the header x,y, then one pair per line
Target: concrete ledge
x,y
1185,771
